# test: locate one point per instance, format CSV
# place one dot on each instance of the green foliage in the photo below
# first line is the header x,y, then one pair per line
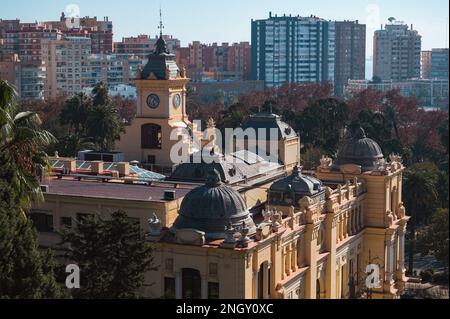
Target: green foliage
x,y
103,126
93,122
434,237
419,192
25,272
112,255
322,124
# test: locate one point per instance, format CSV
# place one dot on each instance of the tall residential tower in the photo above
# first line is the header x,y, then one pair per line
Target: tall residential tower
x,y
293,49
396,52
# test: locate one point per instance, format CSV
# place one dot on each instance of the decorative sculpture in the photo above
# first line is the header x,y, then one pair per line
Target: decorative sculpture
x,y
154,226
325,163
244,239
276,221
230,239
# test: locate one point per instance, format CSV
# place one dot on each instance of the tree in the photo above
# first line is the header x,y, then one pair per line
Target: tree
x,y
419,193
321,124
434,239
101,94
112,255
104,126
22,141
75,113
23,269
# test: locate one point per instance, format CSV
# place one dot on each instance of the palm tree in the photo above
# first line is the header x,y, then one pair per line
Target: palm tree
x,y
418,192
75,112
104,126
100,92
21,143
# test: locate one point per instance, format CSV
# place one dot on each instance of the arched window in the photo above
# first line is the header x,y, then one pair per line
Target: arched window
x,y
191,284
151,136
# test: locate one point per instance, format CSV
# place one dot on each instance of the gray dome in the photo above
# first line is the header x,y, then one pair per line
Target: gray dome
x,y
212,207
298,183
359,150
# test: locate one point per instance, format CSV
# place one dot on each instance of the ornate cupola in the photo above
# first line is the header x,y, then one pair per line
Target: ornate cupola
x,y
213,207
359,150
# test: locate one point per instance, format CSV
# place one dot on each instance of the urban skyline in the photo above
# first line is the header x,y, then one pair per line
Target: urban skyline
x,y
430,18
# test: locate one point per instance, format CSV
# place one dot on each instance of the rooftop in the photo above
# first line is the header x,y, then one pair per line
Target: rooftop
x,y
115,190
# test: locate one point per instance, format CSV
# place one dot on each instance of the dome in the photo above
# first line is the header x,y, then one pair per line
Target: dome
x,y
298,183
212,207
267,120
359,150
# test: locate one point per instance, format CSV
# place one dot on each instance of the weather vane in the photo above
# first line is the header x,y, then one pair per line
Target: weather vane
x,y
161,26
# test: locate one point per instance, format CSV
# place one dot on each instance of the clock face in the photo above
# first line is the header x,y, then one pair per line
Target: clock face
x,y
177,101
153,101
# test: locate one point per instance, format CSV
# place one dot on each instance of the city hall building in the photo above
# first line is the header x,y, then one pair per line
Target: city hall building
x,y
241,226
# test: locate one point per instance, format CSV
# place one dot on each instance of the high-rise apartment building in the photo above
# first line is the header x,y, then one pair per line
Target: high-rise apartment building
x,y
350,53
439,64
10,69
216,62
65,58
143,45
32,81
293,49
396,52
425,64
71,66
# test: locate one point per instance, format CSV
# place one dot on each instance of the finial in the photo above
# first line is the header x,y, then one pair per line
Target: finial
x,y
296,171
213,178
161,25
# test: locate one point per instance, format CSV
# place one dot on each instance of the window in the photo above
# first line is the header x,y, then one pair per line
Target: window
x,y
169,288
151,136
191,284
66,222
213,290
42,221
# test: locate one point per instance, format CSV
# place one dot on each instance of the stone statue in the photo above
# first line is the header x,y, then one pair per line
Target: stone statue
x,y
381,165
230,235
395,158
56,154
154,226
244,239
325,162
401,211
276,221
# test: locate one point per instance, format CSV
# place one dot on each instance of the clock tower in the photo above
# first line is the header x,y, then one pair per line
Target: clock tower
x,y
161,110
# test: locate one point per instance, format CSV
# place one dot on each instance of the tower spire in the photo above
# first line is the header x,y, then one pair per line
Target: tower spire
x,y
161,25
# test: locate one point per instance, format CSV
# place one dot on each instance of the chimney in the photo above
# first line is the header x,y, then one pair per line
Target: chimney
x,y
97,167
70,165
123,168
270,14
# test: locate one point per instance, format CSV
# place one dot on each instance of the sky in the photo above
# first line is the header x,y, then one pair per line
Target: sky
x,y
211,21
